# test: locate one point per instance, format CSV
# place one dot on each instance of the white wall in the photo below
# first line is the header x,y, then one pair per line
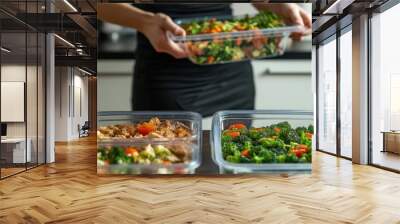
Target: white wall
x,y
70,83
12,73
62,81
114,85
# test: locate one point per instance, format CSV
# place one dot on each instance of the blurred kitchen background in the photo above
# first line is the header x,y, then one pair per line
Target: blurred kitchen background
x,y
281,83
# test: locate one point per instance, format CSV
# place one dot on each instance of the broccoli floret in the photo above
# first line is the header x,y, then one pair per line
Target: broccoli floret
x,y
102,153
303,159
229,148
310,128
257,149
245,159
257,159
116,155
284,125
235,158
162,152
279,151
267,142
255,134
148,153
300,130
292,158
226,138
272,143
268,132
247,145
242,138
293,137
289,135
267,155
281,158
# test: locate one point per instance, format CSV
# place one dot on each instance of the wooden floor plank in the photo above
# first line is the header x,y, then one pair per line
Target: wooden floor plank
x,y
69,191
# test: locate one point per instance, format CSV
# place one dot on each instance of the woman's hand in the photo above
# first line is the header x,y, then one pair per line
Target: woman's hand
x,y
153,26
292,14
156,28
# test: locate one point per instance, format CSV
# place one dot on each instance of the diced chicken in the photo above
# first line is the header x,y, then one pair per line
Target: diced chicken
x,y
162,129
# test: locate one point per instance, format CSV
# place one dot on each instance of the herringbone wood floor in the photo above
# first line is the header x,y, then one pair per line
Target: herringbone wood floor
x,y
69,191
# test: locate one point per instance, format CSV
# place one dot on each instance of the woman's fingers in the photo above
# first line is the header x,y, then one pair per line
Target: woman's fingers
x,y
165,44
169,25
307,21
302,18
162,24
296,18
175,49
306,18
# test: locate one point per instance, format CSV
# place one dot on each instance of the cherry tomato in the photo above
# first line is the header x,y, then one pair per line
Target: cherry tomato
x,y
238,41
245,153
298,153
145,128
237,126
302,148
130,151
233,134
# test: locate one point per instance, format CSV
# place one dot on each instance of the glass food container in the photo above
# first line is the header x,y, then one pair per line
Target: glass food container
x,y
234,131
148,155
221,46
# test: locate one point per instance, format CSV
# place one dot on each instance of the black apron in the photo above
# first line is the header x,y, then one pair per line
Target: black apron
x,y
162,82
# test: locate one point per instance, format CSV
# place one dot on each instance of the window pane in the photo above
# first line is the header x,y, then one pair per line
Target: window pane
x,y
31,97
346,94
14,153
41,99
385,89
327,97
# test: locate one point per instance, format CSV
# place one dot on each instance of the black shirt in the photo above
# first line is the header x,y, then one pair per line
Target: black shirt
x,y
188,10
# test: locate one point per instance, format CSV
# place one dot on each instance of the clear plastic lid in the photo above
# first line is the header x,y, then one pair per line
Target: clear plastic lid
x,y
278,31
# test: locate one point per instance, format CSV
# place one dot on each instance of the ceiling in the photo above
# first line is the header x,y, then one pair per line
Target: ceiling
x,y
331,15
74,22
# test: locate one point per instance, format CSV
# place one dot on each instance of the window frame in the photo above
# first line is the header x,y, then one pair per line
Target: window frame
x,y
334,37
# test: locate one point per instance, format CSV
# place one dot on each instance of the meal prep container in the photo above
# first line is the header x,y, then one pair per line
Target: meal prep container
x,y
259,118
243,45
193,143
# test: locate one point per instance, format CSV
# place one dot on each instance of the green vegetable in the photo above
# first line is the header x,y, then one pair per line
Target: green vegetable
x,y
267,155
292,158
161,152
236,48
310,129
257,159
244,160
281,158
303,159
276,143
147,155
